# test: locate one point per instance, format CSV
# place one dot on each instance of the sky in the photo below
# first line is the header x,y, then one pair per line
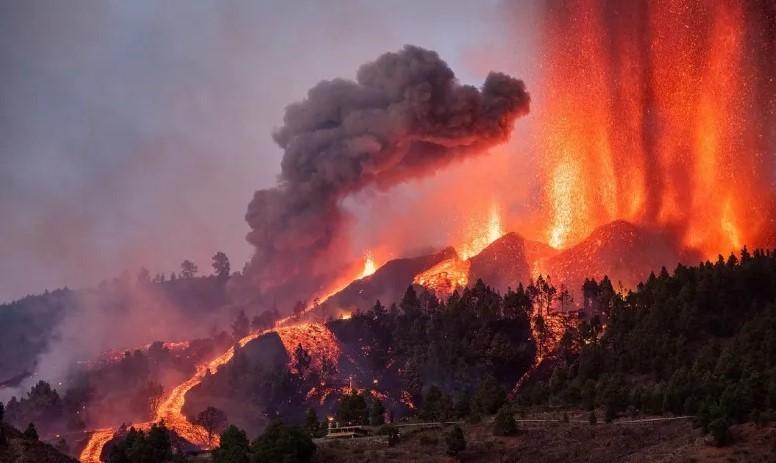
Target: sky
x,y
135,133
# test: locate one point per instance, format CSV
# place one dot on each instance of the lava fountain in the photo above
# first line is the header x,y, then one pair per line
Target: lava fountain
x,y
660,113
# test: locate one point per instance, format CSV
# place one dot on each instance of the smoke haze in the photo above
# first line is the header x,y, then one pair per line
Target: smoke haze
x,y
404,117
135,133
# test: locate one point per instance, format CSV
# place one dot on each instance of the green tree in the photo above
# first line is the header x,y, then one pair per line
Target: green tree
x,y
352,409
233,447
263,321
504,423
298,309
720,432
410,304
159,444
31,433
588,395
456,442
61,445
240,326
412,379
543,293
212,420
188,269
281,443
391,432
436,405
462,405
143,276
221,265
311,422
489,397
377,413
301,361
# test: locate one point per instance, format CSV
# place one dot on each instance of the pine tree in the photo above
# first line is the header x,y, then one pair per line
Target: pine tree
x,y
311,422
720,431
377,413
233,448
31,433
504,424
456,442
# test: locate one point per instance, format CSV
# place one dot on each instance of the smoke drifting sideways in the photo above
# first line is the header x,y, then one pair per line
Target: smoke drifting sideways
x,y
119,315
405,117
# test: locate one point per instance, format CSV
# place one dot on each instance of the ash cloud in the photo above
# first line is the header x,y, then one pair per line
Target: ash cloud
x,y
404,117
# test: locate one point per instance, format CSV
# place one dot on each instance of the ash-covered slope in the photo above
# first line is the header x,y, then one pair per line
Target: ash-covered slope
x,y
625,252
502,264
387,284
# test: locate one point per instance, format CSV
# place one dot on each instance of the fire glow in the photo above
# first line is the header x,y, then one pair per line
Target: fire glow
x,y
445,277
481,234
656,113
370,266
652,114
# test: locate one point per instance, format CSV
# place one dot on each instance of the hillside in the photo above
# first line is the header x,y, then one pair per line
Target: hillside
x,y
395,354
696,342
623,251
558,442
15,448
32,325
502,264
387,284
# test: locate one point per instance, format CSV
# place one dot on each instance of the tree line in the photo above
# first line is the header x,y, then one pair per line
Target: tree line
x,y
700,341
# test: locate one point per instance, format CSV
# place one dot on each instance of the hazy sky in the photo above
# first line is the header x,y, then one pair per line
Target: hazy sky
x,y
135,132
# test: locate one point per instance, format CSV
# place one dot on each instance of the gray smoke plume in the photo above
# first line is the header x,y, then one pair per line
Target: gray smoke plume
x,y
405,116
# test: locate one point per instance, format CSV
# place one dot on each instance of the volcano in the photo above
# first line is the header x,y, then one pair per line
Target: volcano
x,y
623,251
502,264
387,283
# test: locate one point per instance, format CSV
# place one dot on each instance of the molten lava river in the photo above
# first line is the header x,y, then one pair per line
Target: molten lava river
x,y
315,338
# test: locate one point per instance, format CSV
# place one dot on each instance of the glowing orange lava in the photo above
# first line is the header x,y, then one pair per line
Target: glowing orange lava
x,y
656,113
98,439
445,277
170,410
315,338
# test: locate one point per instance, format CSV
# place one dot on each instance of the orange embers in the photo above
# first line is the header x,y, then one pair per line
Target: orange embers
x,y
445,277
316,339
650,114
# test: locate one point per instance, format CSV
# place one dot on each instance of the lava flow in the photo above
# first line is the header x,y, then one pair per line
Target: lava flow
x,y
170,410
91,453
315,338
